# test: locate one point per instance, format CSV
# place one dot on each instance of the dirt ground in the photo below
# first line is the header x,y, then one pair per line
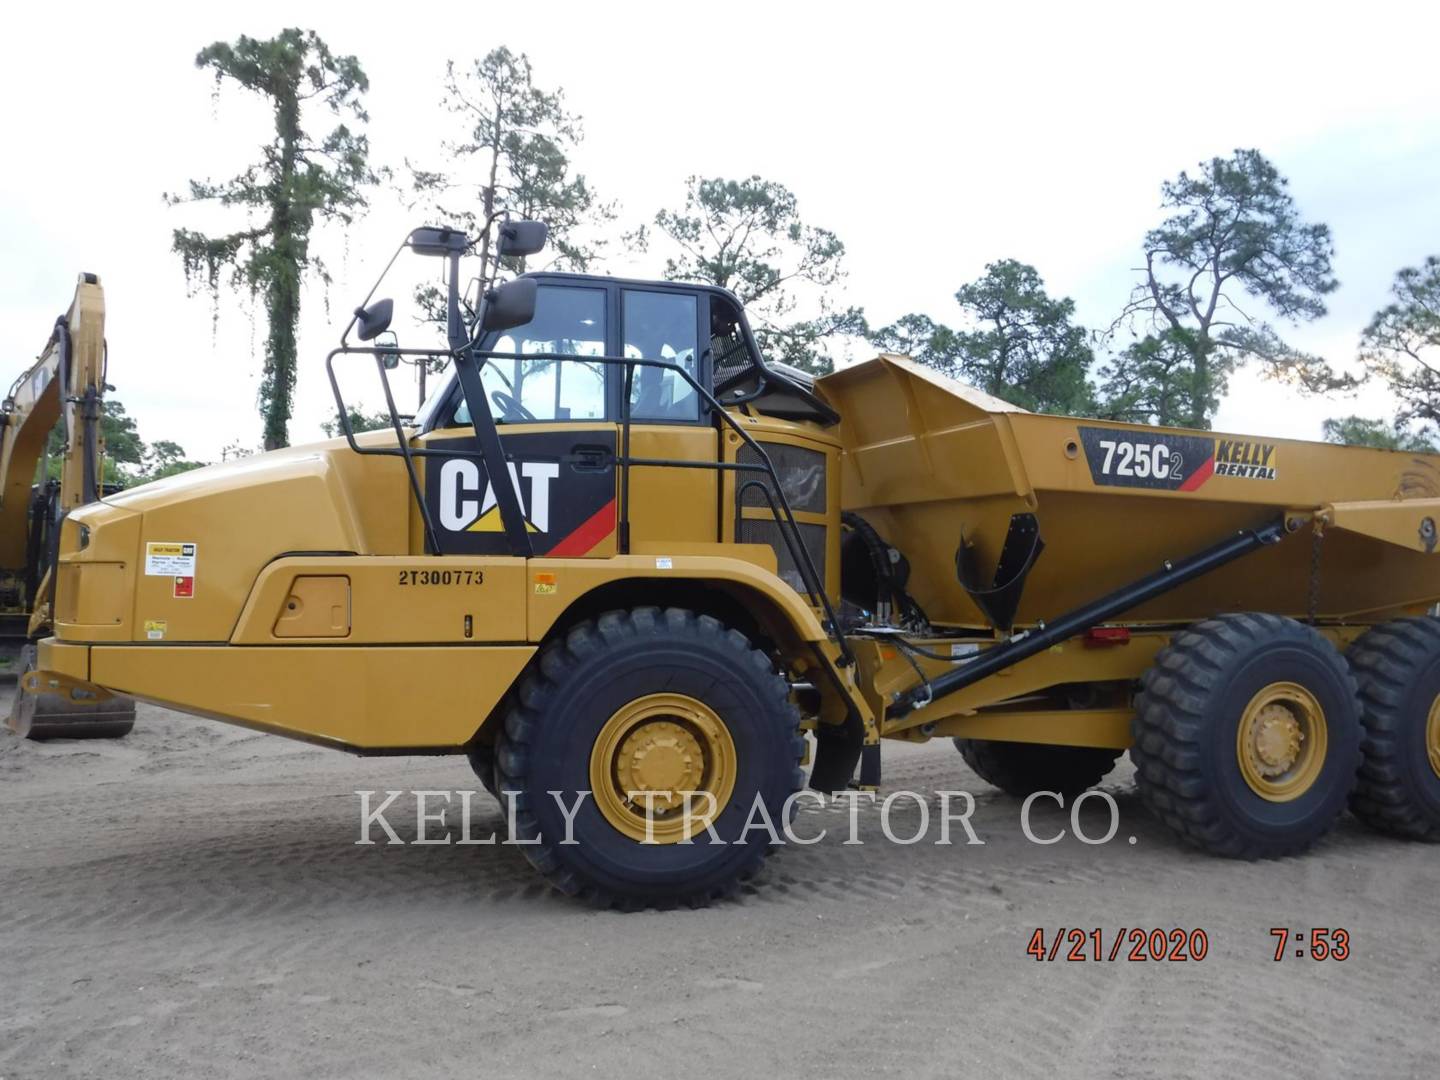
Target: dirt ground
x,y
191,902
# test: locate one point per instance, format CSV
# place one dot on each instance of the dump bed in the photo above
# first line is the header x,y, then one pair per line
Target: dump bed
x,y
927,459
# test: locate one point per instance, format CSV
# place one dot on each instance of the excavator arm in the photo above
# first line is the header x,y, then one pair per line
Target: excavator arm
x,y
65,385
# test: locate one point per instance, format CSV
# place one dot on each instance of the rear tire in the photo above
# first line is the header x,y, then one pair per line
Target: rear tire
x,y
648,701
1397,666
1021,769
1247,736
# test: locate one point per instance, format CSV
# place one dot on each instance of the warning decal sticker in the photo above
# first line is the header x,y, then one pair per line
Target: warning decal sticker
x,y
165,559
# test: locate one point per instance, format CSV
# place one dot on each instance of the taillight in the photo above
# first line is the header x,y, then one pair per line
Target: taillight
x,y
1098,636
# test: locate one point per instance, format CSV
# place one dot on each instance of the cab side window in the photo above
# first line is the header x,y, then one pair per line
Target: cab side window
x,y
661,326
569,321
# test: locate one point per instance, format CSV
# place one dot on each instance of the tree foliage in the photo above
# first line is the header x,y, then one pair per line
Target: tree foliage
x,y
298,181
166,458
747,236
1020,343
513,158
1402,343
1233,245
1382,434
1153,381
358,422
128,460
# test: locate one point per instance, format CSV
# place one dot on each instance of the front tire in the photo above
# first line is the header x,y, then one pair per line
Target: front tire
x,y
649,703
1397,666
1247,736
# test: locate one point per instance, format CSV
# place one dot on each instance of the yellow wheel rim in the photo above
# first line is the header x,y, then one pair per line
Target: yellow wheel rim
x,y
653,752
1432,736
1281,742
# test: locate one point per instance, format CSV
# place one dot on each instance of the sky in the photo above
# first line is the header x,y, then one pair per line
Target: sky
x,y
931,138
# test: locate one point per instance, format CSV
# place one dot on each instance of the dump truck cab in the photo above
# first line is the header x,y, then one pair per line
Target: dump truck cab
x,y
563,415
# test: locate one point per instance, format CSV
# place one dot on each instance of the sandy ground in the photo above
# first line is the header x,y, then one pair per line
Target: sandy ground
x,y
190,902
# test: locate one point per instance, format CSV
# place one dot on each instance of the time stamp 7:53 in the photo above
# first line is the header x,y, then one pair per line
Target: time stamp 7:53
x,y
1322,943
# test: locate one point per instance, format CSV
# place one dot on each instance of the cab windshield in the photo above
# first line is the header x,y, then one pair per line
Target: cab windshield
x,y
568,322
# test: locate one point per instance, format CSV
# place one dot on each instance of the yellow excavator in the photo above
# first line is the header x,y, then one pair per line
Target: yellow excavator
x,y
65,385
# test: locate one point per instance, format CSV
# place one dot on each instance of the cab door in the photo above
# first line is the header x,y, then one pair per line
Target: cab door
x,y
556,423
674,504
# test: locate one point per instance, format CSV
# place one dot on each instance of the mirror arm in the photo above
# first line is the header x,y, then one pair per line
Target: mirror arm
x,y
455,330
512,517
467,371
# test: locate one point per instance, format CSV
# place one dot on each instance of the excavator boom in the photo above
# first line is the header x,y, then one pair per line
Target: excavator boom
x,y
65,385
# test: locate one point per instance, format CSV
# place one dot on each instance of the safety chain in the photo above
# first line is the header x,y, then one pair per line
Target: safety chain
x,y
1317,540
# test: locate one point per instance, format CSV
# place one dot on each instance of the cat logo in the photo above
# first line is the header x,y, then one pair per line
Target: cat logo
x,y
462,509
1244,459
568,503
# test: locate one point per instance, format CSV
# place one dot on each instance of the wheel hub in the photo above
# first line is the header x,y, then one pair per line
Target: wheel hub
x,y
1280,742
1277,738
660,758
651,755
1432,736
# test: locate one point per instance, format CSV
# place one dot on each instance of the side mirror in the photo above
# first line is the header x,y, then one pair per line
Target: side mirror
x,y
372,321
511,304
438,241
521,238
388,350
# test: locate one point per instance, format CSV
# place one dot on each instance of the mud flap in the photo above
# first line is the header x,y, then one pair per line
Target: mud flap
x,y
837,753
1001,598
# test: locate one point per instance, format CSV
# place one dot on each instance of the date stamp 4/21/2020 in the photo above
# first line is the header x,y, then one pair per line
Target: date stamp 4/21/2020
x,y
1176,945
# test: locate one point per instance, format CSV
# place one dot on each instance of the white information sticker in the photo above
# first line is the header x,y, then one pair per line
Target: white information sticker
x,y
163,559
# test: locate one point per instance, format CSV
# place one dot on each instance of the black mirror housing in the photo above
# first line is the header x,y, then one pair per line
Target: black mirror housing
x,y
521,238
509,305
372,321
438,240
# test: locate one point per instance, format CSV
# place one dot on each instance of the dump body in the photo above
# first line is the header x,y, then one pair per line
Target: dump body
x,y
927,459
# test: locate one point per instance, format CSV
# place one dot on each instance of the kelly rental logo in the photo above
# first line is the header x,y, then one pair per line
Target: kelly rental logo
x,y
905,817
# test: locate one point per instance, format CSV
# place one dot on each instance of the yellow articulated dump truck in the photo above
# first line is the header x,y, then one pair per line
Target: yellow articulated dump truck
x,y
624,563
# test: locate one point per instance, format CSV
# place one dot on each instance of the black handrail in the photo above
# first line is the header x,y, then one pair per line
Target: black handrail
x,y
790,542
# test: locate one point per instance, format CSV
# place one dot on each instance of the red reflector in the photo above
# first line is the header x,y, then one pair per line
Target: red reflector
x,y
1107,635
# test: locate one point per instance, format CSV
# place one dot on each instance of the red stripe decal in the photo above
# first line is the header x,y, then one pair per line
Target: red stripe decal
x,y
1200,475
585,538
